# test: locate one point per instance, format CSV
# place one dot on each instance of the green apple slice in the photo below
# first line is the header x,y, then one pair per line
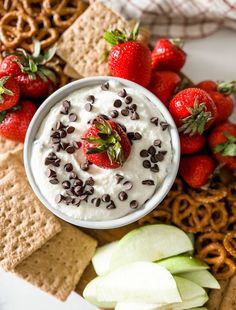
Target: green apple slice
x,y
101,259
181,263
150,243
203,278
142,282
90,294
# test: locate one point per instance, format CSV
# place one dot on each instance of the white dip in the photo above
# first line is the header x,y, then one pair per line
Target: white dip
x,y
105,180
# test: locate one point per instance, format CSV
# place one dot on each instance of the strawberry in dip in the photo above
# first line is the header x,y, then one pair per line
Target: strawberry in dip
x,y
101,152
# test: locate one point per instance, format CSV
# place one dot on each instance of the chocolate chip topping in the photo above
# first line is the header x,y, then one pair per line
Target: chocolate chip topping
x,y
89,189
84,166
66,184
88,107
90,99
128,99
77,182
77,144
114,113
70,149
56,140
151,150
51,173
104,116
97,202
159,156
137,136
135,116
154,159
73,117
54,181
146,164
117,103
78,190
133,204
164,125
119,178
56,147
122,93
144,153
127,185
59,198
130,135
155,168
122,196
64,145
148,182
111,205
133,107
105,86
66,104
106,198
70,129
60,125
123,127
90,181
157,142
154,120
125,112
55,134
73,175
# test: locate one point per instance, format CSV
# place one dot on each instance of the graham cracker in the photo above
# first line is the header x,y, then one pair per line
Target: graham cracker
x,y
69,71
25,224
82,45
215,296
229,297
58,266
8,145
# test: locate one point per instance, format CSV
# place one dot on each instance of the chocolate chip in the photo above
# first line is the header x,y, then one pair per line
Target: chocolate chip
x,y
125,112
56,140
152,150
84,197
66,184
127,185
70,149
63,133
97,202
70,129
73,175
59,198
157,142
55,134
117,103
77,144
73,117
104,116
154,120
105,86
52,155
144,153
159,156
64,145
51,173
133,204
130,135
69,200
64,111
155,168
153,159
146,164
84,166
90,181
56,147
60,125
122,93
88,107
111,205
137,136
123,127
128,99
78,190
66,104
77,201
122,196
54,181
89,189
90,99
134,116
106,198
164,125
163,152
133,107
114,113
119,178
48,161
56,163
148,182
77,182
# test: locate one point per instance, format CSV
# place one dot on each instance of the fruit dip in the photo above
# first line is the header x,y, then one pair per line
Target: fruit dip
x,y
80,188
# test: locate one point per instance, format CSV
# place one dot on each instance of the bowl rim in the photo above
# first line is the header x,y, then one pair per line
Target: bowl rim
x,y
160,192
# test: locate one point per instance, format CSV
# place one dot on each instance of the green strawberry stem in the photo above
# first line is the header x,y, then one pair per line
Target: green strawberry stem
x,y
117,36
227,87
4,90
107,141
177,42
227,148
196,121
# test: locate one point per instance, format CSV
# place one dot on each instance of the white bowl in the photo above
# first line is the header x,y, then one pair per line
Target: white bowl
x,y
160,193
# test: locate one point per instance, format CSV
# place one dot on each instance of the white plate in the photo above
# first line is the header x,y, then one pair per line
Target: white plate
x,y
209,58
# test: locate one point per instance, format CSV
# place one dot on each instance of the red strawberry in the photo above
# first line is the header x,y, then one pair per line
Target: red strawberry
x,y
196,169
220,93
222,141
191,144
129,59
9,92
193,110
11,65
168,55
163,84
106,144
14,124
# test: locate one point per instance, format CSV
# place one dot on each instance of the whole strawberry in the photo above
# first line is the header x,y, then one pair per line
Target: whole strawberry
x,y
193,110
29,71
163,84
9,92
191,144
14,124
222,141
168,55
128,58
106,145
196,169
220,93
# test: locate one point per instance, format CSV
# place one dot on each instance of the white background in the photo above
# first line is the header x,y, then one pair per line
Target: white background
x,y
209,58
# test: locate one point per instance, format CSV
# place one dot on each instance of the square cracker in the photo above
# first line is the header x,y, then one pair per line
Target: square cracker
x,y
8,145
58,266
82,45
25,224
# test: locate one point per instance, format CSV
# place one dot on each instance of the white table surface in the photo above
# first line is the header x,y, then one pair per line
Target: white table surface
x,y
209,58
